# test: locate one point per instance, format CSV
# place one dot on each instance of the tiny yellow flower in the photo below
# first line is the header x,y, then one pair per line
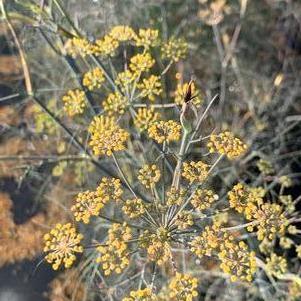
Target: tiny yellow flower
x,y
195,172
61,244
175,49
147,38
145,118
165,131
106,136
225,143
74,102
93,79
149,175
141,62
150,87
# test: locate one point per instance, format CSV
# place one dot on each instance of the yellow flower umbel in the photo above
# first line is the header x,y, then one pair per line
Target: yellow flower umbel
x,y
61,244
141,295
145,118
122,33
79,46
236,259
195,172
147,38
245,199
181,92
165,131
150,87
124,79
175,196
156,245
114,256
87,204
207,242
203,198
74,102
175,49
115,104
184,220
226,144
109,189
276,265
149,175
93,79
106,46
271,221
183,287
141,62
133,208
106,136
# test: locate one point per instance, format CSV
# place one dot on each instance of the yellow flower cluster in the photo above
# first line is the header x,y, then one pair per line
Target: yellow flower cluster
x,y
207,242
175,49
141,295
74,102
124,79
87,204
93,79
183,287
141,62
276,265
175,196
149,175
114,255
184,220
150,87
226,144
195,172
271,221
133,208
145,118
147,38
61,244
122,33
245,199
109,189
79,46
106,136
203,198
106,46
156,245
165,131
115,104
236,259
265,167
181,92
